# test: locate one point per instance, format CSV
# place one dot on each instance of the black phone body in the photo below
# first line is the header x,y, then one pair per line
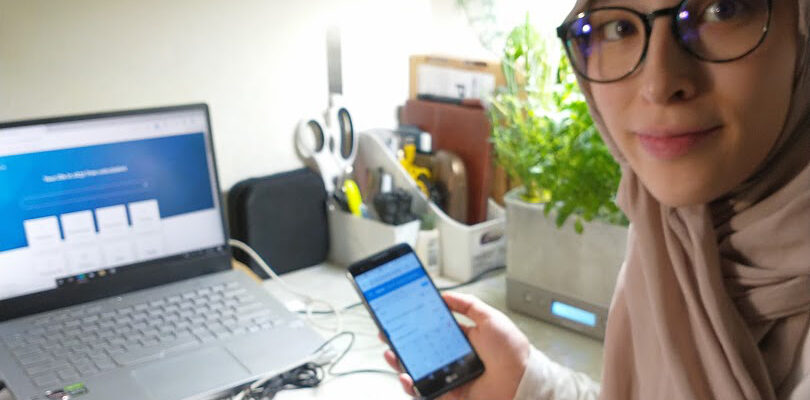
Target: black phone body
x,y
421,330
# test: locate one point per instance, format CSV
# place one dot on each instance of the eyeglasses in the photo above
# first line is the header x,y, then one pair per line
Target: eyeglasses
x,y
608,44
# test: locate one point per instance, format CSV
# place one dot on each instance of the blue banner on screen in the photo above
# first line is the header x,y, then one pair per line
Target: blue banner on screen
x,y
171,170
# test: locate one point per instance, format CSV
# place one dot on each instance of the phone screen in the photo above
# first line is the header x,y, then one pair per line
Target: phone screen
x,y
414,317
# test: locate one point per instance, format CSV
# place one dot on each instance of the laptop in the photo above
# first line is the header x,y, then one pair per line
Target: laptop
x,y
115,269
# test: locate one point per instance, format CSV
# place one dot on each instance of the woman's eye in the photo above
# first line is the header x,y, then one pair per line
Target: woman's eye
x,y
618,30
722,10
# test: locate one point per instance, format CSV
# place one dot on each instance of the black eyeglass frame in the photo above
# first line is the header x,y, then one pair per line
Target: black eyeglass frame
x,y
648,20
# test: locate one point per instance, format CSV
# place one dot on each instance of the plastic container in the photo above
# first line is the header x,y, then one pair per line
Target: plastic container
x,y
353,238
466,250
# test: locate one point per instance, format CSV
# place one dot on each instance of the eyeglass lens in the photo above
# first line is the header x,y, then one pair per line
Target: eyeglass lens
x,y
608,44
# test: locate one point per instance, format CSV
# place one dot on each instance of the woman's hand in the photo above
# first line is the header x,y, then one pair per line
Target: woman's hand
x,y
503,348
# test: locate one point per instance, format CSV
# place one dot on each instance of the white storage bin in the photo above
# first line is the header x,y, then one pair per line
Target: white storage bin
x,y
466,250
353,238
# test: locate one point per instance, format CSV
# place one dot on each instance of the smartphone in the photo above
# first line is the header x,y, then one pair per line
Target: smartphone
x,y
421,330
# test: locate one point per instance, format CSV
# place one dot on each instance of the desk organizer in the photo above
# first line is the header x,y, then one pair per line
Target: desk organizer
x,y
353,238
466,250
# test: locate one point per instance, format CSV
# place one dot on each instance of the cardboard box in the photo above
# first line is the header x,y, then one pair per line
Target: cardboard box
x,y
453,77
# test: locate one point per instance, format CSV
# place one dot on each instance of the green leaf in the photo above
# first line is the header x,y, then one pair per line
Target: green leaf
x,y
543,133
578,226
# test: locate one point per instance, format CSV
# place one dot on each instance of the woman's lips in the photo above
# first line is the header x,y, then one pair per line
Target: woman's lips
x,y
669,146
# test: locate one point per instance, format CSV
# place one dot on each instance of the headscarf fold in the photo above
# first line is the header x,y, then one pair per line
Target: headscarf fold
x,y
714,299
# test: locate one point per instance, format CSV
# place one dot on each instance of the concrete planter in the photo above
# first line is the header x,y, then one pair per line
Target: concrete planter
x,y
546,264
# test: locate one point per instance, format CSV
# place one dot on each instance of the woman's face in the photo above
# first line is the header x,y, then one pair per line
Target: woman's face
x,y
692,130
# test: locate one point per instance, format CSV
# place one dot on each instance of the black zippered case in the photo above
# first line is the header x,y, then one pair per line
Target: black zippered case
x,y
283,218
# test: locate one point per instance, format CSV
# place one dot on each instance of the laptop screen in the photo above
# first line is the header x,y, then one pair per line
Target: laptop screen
x,y
82,200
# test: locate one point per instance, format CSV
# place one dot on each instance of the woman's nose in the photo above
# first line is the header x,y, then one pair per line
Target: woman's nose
x,y
669,74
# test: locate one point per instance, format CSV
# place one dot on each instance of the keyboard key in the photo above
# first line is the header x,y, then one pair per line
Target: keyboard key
x,y
105,365
34,358
46,381
87,369
249,316
71,333
206,337
235,292
106,335
223,334
25,349
36,332
68,373
49,366
36,340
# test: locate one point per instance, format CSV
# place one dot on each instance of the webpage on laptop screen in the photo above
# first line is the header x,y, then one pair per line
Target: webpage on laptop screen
x,y
79,201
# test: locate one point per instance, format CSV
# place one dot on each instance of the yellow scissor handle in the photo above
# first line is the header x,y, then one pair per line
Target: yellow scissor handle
x,y
353,197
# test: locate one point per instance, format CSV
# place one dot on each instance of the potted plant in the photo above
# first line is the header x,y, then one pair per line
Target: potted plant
x,y
565,234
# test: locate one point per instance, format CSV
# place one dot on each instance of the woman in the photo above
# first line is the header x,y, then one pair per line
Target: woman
x,y
706,105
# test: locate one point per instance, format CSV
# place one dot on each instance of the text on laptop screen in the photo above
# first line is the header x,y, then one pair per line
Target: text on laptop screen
x,y
80,199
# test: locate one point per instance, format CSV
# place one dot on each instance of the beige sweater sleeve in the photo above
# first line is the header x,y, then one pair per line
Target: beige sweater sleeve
x,y
544,379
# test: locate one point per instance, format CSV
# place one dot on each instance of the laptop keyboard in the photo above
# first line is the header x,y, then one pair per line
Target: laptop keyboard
x,y
64,347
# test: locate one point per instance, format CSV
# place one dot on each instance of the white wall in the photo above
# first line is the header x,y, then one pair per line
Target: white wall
x,y
259,64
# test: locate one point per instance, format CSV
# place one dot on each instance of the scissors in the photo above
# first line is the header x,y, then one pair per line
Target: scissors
x,y
331,144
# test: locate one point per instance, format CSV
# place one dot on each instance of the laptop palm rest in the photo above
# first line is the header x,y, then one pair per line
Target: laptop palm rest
x,y
192,373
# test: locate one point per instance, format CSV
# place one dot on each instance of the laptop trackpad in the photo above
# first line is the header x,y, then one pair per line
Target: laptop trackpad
x,y
189,374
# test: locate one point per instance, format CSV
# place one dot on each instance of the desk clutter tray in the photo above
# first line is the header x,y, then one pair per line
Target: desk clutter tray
x,y
465,250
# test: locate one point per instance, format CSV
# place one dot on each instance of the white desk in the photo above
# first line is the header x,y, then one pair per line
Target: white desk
x,y
571,349
329,283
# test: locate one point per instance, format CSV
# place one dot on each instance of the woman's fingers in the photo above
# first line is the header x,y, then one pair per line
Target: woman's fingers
x,y
467,305
392,360
407,384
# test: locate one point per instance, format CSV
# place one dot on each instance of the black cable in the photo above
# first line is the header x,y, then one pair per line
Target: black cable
x,y
472,280
306,376
335,362
309,375
2,386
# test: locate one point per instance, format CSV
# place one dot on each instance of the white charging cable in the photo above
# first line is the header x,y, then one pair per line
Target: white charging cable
x,y
309,301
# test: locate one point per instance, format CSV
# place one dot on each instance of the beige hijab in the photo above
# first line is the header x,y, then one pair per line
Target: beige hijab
x,y
714,300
